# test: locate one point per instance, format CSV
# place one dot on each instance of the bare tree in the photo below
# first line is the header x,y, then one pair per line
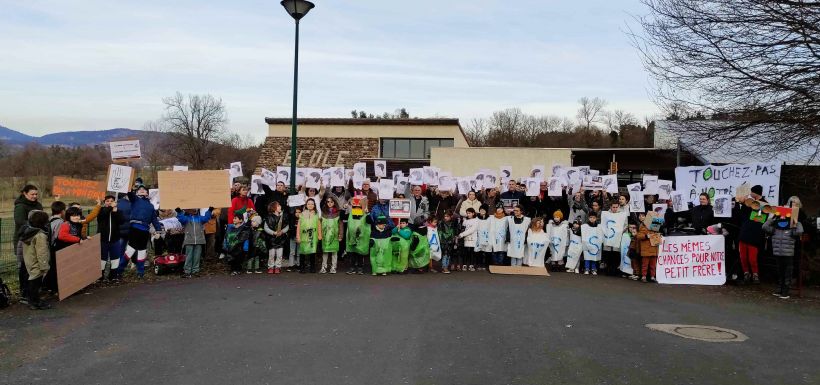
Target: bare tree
x,y
195,125
753,63
590,111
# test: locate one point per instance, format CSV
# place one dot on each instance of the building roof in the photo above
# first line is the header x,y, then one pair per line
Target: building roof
x,y
367,122
756,148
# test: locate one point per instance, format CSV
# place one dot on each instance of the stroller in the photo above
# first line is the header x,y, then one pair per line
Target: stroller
x,y
167,258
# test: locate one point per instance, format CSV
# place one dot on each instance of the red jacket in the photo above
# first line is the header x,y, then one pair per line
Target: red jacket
x,y
237,204
65,235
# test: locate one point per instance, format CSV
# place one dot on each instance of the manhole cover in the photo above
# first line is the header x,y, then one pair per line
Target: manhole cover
x,y
700,332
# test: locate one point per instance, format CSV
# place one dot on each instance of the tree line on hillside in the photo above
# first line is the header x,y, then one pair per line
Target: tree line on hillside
x,y
594,127
192,131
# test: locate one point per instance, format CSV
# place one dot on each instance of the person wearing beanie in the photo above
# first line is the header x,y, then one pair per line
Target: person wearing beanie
x,y
751,235
381,253
558,233
143,216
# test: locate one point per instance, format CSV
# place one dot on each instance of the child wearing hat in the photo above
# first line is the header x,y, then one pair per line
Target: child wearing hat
x,y
380,248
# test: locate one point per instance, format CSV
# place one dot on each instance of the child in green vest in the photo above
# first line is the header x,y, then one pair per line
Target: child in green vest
x,y
332,231
381,255
358,234
308,235
401,246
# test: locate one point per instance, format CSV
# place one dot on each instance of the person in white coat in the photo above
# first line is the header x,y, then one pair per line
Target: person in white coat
x,y
470,238
537,244
484,246
558,231
498,235
518,224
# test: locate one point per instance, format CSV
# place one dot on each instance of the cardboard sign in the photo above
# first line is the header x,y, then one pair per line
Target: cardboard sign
x,y
399,208
120,178
78,266
125,150
719,180
78,188
194,189
519,270
692,260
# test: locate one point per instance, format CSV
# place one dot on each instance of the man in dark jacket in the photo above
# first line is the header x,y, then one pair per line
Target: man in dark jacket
x,y
109,221
751,233
703,215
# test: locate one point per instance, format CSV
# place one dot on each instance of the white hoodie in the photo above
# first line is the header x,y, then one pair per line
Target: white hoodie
x,y
470,232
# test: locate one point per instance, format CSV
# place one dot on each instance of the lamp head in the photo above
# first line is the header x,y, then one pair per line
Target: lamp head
x,y
297,8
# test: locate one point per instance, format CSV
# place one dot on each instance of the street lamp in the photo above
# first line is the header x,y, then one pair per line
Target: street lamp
x,y
296,9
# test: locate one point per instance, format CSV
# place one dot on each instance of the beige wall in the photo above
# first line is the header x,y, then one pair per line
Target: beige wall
x,y
371,131
467,161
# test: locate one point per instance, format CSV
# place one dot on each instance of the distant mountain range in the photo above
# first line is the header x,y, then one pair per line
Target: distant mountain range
x,y
70,138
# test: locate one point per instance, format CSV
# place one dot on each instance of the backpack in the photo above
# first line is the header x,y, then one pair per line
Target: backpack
x,y
5,295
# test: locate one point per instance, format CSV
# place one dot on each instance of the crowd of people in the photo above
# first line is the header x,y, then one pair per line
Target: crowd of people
x,y
445,232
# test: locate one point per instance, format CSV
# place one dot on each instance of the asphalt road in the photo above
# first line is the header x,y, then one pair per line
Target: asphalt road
x,y
467,328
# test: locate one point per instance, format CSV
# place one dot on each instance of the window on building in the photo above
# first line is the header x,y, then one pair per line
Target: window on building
x,y
393,148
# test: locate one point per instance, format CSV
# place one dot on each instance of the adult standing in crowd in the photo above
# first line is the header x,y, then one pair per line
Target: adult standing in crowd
x,y
419,205
25,203
751,234
513,192
469,202
703,215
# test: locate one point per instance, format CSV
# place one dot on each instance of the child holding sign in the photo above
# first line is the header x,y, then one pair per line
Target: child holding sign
x,y
648,251
308,235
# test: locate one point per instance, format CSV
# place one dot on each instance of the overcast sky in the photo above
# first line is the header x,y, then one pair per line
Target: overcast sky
x,y
90,65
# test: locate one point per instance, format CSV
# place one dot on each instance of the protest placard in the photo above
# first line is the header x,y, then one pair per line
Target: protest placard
x,y
650,184
678,203
78,266
256,185
296,200
313,178
399,208
660,209
509,205
125,150
537,172
724,180
380,168
120,178
337,177
416,176
505,173
533,187
430,175
283,175
401,185
236,169
180,168
153,197
78,188
194,189
692,260
722,206
464,185
636,202
554,187
664,189
592,182
386,188
610,183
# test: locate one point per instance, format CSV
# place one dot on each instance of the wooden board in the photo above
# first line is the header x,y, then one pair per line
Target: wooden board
x,y
78,188
520,270
194,189
78,266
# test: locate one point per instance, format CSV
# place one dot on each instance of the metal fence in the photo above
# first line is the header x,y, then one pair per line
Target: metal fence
x,y
8,261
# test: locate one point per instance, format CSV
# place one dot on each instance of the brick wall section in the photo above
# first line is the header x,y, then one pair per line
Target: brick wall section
x,y
317,152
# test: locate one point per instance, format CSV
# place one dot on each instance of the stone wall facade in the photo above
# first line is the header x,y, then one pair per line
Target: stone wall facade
x,y
317,152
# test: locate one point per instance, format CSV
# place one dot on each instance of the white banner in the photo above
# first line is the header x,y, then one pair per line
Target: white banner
x,y
125,150
692,260
723,180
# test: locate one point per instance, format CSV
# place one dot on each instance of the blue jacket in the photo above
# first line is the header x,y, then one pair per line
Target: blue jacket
x,y
194,230
124,208
378,210
143,214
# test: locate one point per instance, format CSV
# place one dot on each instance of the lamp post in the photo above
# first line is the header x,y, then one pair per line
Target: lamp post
x,y
296,9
